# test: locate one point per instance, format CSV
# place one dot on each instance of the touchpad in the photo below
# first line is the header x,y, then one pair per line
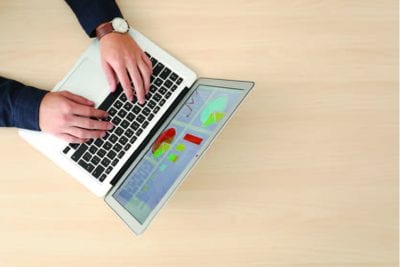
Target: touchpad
x,y
87,80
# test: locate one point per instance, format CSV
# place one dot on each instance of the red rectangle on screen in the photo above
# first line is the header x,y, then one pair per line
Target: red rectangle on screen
x,y
193,139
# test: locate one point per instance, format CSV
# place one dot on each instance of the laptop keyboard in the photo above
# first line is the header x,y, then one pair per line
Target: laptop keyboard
x,y
99,157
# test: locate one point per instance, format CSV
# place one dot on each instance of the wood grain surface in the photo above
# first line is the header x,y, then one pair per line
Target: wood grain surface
x,y
306,173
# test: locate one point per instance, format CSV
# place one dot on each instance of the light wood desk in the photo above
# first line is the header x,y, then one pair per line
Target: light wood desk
x,y
311,181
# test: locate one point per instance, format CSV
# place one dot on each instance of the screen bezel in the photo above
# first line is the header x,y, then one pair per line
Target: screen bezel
x,y
128,218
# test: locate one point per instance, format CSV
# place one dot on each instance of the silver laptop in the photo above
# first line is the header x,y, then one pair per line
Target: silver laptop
x,y
140,162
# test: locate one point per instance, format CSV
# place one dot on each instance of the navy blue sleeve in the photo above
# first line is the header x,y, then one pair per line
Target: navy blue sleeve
x,y
19,105
92,13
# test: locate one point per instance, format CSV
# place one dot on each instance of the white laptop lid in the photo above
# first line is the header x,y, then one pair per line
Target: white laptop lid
x,y
175,148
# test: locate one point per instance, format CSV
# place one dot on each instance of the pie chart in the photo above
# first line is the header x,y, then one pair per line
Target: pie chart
x,y
163,142
214,111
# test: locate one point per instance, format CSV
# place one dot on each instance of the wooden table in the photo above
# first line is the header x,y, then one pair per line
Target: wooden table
x,y
306,173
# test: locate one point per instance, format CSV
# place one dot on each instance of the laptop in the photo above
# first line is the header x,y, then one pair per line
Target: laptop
x,y
138,165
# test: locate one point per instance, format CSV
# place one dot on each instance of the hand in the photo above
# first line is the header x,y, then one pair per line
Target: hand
x,y
121,55
69,117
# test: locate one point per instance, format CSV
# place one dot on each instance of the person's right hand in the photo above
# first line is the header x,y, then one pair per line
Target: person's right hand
x,y
71,117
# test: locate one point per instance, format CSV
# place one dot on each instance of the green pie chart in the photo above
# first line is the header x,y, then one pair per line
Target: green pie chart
x,y
214,111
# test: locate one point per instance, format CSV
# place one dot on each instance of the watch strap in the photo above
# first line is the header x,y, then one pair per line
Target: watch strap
x,y
104,29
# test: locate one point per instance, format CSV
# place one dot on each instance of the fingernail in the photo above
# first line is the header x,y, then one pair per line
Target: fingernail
x,y
110,126
103,134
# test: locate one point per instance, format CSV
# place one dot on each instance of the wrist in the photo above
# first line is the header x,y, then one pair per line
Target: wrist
x,y
117,25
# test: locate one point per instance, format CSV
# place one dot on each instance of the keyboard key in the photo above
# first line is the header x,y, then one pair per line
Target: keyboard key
x,y
127,147
118,104
98,171
123,97
133,139
116,121
158,68
128,106
158,82
136,110
109,169
111,154
135,125
89,167
119,131
78,153
125,124
117,147
121,154
92,149
123,140
95,160
105,162
139,131
101,153
87,156
150,117
145,124
98,142
164,74
130,117
162,90
162,102
167,95
153,89
173,76
129,133
146,111
153,61
179,81
151,104
140,118
156,109
113,138
66,149
112,112
168,83
107,146
114,162
174,87
157,97
102,177
122,113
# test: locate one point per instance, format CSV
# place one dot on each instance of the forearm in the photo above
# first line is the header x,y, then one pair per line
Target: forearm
x,y
19,104
91,13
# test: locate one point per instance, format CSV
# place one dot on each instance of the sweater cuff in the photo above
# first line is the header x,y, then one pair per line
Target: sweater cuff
x,y
27,104
93,13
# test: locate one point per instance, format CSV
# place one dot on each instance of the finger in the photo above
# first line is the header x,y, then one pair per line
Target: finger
x,y
71,139
77,98
91,124
145,73
148,62
84,133
86,111
137,82
110,74
124,80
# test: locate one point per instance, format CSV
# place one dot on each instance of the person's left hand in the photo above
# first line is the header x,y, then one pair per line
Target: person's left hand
x,y
122,58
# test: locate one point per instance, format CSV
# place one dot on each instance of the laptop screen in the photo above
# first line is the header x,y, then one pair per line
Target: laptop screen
x,y
180,143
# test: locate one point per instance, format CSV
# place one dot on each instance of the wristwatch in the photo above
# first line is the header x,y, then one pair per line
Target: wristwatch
x,y
118,25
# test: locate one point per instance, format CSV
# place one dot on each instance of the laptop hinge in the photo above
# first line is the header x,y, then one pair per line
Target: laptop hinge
x,y
149,136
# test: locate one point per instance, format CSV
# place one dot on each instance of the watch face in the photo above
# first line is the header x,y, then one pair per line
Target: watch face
x,y
120,25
